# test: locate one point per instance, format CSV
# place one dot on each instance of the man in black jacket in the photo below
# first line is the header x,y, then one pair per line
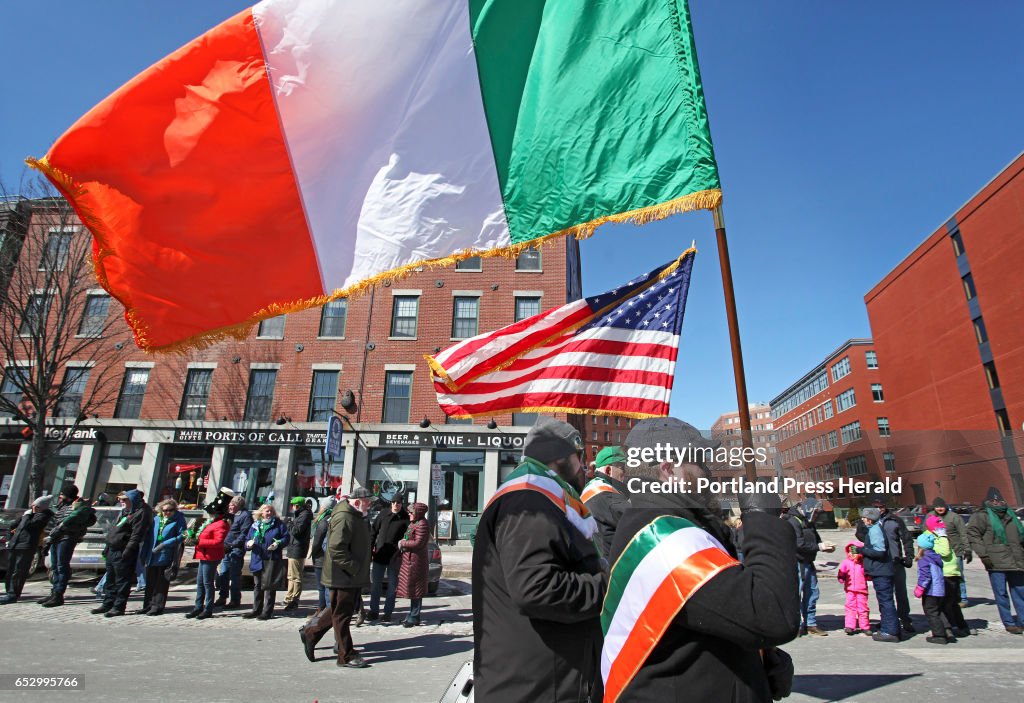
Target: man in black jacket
x,y
24,544
385,559
126,539
713,638
901,548
606,496
229,574
72,520
801,518
538,582
300,527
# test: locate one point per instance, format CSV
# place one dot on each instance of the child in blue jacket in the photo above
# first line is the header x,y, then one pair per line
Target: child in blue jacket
x,y
931,587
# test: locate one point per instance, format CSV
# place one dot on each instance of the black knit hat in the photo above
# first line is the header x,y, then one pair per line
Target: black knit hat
x,y
939,503
994,495
69,491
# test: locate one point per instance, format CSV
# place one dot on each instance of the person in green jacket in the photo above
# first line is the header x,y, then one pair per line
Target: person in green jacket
x,y
995,534
346,572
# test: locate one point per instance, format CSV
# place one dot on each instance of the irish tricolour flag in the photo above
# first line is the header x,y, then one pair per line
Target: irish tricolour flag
x,y
662,566
305,149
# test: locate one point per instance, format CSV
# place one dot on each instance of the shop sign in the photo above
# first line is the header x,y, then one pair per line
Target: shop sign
x,y
450,440
271,437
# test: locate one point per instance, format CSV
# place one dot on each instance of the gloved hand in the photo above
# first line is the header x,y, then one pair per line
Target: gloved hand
x,y
968,557
250,544
129,555
987,563
779,667
854,549
908,562
918,592
767,502
274,545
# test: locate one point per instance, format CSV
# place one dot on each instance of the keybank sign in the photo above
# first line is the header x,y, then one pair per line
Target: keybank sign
x,y
80,434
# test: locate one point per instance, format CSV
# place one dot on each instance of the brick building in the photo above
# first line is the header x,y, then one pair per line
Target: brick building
x,y
600,431
947,326
727,430
252,414
834,422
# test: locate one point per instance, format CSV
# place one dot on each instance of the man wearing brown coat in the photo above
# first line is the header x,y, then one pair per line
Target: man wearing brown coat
x,y
346,571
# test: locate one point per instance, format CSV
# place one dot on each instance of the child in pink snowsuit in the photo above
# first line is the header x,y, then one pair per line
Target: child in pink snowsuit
x,y
855,583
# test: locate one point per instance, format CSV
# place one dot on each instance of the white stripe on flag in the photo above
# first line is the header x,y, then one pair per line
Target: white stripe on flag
x,y
562,385
647,364
384,98
645,580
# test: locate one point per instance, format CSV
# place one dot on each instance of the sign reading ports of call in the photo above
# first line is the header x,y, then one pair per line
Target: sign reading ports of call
x,y
451,440
279,437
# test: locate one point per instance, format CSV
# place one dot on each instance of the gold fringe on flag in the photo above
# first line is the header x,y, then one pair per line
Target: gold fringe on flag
x,y
73,191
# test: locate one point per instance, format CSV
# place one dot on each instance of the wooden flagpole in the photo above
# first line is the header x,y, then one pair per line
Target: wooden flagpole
x,y
734,340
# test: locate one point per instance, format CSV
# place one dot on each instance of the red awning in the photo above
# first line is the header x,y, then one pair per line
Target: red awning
x,y
185,468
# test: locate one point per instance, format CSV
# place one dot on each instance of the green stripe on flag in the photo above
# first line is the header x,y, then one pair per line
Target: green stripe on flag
x,y
639,547
594,108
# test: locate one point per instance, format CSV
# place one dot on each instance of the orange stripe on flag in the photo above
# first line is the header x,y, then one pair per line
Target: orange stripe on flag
x,y
667,601
185,180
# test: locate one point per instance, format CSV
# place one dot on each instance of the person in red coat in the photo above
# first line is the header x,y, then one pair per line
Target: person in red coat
x,y
209,552
412,577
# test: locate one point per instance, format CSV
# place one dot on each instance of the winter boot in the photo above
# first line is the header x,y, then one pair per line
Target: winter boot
x,y
56,601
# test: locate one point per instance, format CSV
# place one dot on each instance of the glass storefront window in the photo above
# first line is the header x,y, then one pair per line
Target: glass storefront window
x,y
8,460
120,468
186,472
394,471
249,472
314,476
507,463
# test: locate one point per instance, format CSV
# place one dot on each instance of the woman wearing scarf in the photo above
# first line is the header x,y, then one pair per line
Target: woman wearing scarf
x,y
168,533
209,553
995,534
267,536
412,576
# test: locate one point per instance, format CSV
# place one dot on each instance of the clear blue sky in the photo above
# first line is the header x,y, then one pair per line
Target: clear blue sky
x,y
845,134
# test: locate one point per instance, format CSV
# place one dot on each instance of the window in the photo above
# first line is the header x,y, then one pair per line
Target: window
x,y
473,263
333,317
527,307
1003,420
969,289
890,462
834,471
11,389
872,359
800,395
55,255
833,442
404,312
593,437
261,395
465,317
846,400
883,427
856,466
990,375
524,419
196,394
876,393
958,242
828,409
133,390
842,368
851,432
979,331
529,260
397,395
606,440
36,311
72,389
272,328
323,395
94,317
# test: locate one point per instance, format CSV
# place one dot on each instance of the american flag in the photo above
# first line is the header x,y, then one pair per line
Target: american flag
x,y
613,353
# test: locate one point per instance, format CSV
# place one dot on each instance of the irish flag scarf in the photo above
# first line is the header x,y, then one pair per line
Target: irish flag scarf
x,y
664,564
534,476
598,484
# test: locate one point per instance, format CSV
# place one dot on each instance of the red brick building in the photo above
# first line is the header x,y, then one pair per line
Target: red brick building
x,y
947,324
834,423
727,429
252,414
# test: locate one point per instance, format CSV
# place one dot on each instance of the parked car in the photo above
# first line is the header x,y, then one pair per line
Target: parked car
x,y
8,519
913,517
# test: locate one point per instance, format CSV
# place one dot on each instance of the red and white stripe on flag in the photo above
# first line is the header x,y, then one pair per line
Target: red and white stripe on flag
x,y
613,353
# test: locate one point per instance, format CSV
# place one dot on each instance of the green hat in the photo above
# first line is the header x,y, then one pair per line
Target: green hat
x,y
298,500
610,455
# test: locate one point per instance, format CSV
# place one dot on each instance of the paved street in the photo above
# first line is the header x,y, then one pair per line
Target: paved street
x,y
231,659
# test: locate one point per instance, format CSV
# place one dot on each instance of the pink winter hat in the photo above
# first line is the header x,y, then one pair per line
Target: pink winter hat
x,y
934,522
854,543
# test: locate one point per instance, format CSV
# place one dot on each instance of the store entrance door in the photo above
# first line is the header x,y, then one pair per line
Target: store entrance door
x,y
463,489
